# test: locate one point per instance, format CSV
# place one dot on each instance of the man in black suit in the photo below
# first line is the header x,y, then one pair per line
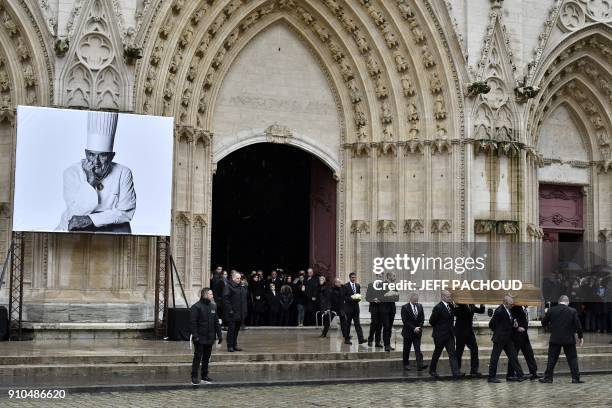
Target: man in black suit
x,y
351,308
464,332
520,338
235,309
312,298
388,311
274,305
275,279
374,297
413,318
441,320
204,326
563,323
503,325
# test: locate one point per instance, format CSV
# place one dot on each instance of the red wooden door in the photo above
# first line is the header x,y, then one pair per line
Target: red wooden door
x,y
561,218
322,219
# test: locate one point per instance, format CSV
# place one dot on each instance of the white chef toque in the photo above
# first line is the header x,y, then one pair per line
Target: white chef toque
x,y
101,128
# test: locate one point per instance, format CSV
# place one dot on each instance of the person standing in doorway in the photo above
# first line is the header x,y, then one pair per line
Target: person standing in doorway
x,y
235,309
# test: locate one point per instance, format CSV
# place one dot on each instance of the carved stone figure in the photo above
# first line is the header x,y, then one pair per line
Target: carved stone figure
x,y
435,85
418,34
335,50
413,114
389,36
385,113
380,88
439,109
407,86
360,116
373,66
400,62
428,58
354,91
405,10
361,42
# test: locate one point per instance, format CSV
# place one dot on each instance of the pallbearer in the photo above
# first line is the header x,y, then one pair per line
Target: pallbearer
x,y
441,321
520,338
464,332
503,325
413,318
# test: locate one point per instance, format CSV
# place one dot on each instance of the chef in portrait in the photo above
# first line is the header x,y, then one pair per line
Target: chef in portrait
x,y
98,192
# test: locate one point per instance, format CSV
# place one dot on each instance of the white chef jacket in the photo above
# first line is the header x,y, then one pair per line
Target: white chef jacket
x,y
114,204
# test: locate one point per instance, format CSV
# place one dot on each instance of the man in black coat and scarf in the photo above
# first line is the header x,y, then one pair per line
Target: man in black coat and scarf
x,y
205,327
235,309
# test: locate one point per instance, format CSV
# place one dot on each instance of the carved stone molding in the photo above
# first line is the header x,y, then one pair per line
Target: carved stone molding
x,y
359,149
441,146
477,88
414,226
200,219
439,226
535,231
386,227
386,149
192,134
605,235
490,147
5,210
484,226
7,114
524,93
507,227
360,227
276,133
414,146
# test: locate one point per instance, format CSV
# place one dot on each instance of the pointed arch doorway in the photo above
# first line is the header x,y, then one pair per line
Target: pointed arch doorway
x,y
273,206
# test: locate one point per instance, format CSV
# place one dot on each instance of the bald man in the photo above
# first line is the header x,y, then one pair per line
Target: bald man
x,y
503,325
441,320
564,324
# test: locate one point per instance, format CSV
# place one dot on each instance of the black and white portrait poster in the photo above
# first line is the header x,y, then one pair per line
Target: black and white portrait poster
x,y
92,171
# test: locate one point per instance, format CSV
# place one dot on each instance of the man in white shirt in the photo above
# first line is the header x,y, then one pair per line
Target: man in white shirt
x,y
98,192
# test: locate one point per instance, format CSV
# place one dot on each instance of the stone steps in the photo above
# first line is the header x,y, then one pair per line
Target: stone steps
x,y
173,358
260,370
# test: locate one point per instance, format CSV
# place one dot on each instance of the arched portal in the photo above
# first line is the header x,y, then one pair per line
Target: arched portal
x,y
274,206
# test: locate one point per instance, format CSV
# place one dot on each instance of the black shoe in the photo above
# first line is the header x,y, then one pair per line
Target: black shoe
x,y
378,345
406,368
422,367
369,343
494,380
347,341
476,374
545,380
323,335
387,349
207,380
577,381
362,341
515,379
231,350
535,376
458,376
434,374
194,381
237,349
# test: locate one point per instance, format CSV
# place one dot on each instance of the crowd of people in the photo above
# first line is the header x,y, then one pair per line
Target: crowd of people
x,y
589,294
234,298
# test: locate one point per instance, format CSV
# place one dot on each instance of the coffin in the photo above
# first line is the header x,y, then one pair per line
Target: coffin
x,y
529,295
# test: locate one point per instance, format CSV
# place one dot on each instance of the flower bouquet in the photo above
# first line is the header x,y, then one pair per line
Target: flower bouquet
x,y
356,297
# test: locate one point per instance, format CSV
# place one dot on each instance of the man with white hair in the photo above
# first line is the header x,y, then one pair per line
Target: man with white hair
x,y
564,324
503,325
98,192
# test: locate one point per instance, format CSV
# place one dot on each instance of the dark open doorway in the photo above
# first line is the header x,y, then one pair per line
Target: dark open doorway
x,y
272,208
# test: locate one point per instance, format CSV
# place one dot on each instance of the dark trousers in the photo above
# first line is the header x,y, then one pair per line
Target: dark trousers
x,y
508,348
201,355
387,326
469,340
449,345
233,327
524,345
553,356
273,318
408,343
283,317
328,318
256,319
375,324
353,317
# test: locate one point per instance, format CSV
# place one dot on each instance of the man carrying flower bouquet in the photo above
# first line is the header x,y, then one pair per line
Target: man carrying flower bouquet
x,y
352,296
